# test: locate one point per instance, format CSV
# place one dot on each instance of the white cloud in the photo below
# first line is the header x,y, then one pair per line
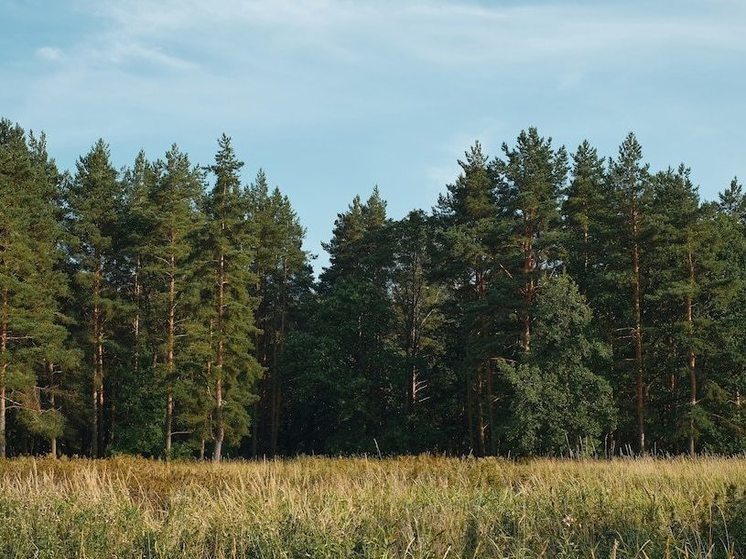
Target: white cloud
x,y
269,65
51,54
440,33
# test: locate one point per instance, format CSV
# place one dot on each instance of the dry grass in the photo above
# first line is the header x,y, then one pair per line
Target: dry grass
x,y
406,507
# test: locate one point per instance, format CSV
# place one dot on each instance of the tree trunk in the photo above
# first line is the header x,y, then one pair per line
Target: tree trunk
x,y
529,289
490,410
692,358
480,413
220,428
470,407
586,250
95,362
255,428
170,343
480,372
52,403
637,335
3,412
3,369
136,320
276,374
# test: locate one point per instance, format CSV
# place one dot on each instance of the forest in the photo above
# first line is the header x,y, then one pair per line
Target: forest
x,y
551,303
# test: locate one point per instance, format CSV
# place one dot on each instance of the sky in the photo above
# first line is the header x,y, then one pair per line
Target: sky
x,y
332,97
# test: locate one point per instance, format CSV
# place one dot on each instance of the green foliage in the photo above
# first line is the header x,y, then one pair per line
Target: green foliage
x,y
557,402
546,305
227,268
32,328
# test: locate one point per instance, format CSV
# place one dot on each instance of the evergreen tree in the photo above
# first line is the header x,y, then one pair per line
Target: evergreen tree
x,y
629,223
94,199
31,285
349,364
554,396
532,178
139,406
169,260
233,370
468,263
582,211
681,268
416,301
279,258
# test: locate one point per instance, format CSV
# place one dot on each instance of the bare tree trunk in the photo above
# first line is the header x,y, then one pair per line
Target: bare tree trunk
x,y
692,358
490,410
529,289
3,369
96,395
52,403
586,251
169,421
276,373
136,320
470,407
481,384
220,428
482,426
637,335
170,343
255,429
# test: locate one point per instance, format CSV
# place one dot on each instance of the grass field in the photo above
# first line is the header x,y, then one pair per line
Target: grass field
x,y
406,507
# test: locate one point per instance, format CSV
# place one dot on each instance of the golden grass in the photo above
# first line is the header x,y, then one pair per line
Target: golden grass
x,y
405,507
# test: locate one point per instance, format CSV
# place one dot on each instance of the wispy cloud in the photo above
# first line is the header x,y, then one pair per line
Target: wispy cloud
x,y
299,54
51,54
345,84
440,35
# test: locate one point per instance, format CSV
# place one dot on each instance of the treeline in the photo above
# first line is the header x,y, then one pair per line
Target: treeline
x,y
549,303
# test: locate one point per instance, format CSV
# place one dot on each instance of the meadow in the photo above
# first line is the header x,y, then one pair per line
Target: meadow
x,y
412,507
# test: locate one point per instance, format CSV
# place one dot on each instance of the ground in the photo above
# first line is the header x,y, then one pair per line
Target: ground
x,y
415,507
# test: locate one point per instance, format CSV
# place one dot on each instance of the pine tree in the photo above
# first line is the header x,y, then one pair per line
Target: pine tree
x,y
582,218
279,258
169,267
680,261
94,197
532,178
233,370
139,401
349,365
416,302
468,262
31,284
629,201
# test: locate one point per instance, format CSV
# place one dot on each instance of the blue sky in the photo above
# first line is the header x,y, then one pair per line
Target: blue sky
x,y
333,96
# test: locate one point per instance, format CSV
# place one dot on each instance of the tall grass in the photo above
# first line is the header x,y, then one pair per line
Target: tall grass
x,y
406,507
